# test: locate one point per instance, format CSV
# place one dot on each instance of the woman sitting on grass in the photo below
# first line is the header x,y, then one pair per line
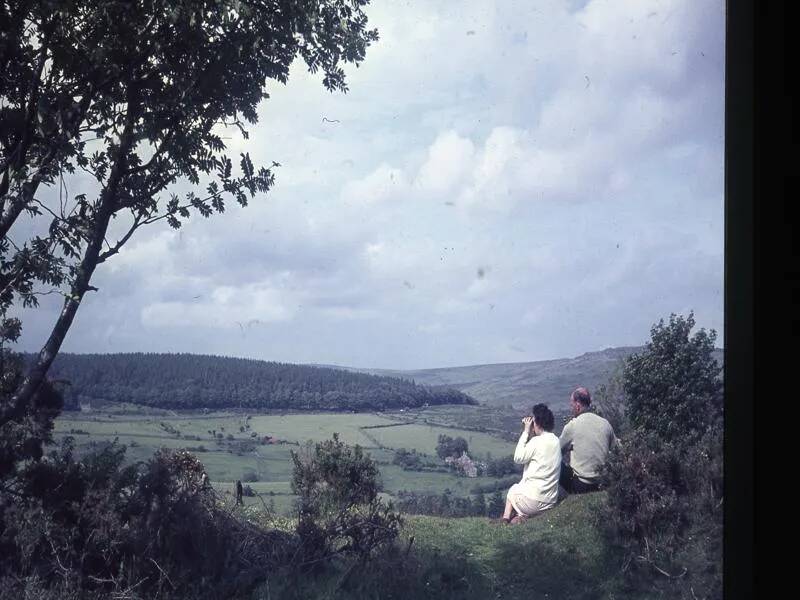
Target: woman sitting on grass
x,y
540,451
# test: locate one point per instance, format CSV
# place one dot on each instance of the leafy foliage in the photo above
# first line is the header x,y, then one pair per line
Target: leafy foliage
x,y
665,481
24,429
673,387
155,525
340,513
447,446
442,505
608,401
411,460
500,467
138,96
497,504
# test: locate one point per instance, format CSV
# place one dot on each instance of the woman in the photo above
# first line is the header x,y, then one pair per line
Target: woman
x,y
540,451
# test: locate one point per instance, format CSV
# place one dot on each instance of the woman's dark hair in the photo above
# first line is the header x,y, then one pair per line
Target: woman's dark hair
x,y
543,417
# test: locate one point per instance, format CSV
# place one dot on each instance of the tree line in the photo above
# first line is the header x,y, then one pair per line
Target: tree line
x,y
448,504
189,381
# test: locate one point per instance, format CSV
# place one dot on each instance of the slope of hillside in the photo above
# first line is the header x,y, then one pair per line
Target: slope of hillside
x,y
561,554
521,384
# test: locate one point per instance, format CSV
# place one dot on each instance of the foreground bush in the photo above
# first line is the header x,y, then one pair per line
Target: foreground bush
x,y
340,513
665,481
93,527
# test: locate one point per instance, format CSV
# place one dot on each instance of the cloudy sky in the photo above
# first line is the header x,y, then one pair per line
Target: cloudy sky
x,y
505,181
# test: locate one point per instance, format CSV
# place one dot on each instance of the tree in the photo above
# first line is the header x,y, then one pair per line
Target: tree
x,y
136,95
447,446
664,482
673,387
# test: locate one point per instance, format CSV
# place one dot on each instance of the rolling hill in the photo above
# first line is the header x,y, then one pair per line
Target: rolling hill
x,y
192,381
521,384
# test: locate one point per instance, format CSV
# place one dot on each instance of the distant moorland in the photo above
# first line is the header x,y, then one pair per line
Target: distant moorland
x,y
521,384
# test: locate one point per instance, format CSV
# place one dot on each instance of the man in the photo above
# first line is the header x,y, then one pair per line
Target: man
x,y
538,449
585,443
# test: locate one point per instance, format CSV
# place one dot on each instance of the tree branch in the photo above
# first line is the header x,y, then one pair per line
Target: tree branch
x,y
26,194
42,204
137,222
156,154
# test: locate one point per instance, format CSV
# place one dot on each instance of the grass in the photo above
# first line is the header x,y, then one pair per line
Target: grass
x,y
496,419
423,438
561,554
318,426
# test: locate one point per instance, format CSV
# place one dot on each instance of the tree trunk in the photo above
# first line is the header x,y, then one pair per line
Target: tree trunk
x,y
108,205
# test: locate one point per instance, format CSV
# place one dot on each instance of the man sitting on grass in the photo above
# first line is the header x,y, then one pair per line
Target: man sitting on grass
x,y
539,450
585,443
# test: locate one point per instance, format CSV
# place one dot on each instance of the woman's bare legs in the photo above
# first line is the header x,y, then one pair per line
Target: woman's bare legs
x,y
509,512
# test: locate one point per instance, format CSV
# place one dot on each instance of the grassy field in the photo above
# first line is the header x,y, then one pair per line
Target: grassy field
x,y
229,444
423,438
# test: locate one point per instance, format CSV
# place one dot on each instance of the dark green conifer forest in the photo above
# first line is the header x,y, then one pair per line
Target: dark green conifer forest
x,y
190,381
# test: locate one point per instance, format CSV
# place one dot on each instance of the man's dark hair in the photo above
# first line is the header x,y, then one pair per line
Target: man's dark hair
x,y
543,417
582,395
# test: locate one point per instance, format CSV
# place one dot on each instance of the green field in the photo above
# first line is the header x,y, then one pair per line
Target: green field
x,y
270,464
423,439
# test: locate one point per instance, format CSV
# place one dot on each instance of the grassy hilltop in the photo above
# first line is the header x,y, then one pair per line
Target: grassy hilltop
x,y
561,554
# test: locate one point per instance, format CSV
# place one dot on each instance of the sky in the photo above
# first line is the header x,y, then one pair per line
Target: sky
x,y
504,182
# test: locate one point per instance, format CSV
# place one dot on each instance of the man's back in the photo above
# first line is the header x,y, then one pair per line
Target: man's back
x,y
586,440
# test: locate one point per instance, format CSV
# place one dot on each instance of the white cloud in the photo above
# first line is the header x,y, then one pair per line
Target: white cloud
x,y
226,307
555,147
449,159
384,183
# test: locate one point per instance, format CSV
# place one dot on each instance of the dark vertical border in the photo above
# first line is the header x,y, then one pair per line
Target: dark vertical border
x,y
740,218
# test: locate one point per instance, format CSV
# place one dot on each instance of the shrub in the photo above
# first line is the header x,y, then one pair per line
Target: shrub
x,y
250,476
448,446
499,484
664,482
496,505
500,467
441,505
340,513
408,460
154,525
